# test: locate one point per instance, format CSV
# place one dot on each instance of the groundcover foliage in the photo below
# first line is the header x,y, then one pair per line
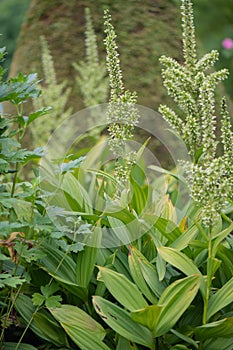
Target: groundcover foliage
x,y
171,287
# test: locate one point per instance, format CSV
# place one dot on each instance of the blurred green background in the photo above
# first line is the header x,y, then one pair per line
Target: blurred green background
x,y
12,13
213,19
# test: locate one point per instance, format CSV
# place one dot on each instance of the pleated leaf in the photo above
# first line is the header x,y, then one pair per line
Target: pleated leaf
x,y
220,299
181,262
63,268
174,301
123,290
47,328
183,240
81,328
87,259
136,259
148,316
121,322
125,344
218,329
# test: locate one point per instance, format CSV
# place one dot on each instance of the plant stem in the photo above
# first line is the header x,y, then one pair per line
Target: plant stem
x,y
209,280
153,345
25,330
14,180
226,218
9,309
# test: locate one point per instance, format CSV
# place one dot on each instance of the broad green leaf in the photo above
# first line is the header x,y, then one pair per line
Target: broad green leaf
x,y
51,328
168,229
121,322
218,329
117,212
87,259
164,171
136,259
212,266
62,267
125,344
185,238
142,149
123,232
152,279
122,289
220,237
75,318
105,175
217,344
160,262
220,299
148,316
185,338
83,338
120,261
74,189
46,328
226,256
181,262
161,267
174,301
140,197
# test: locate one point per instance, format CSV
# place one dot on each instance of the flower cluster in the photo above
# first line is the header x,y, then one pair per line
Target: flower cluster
x,y
122,112
91,78
209,176
54,94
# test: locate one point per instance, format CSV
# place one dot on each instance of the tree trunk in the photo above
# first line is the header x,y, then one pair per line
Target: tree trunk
x,y
146,29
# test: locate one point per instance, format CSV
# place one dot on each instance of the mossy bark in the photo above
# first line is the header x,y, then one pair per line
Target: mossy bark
x,y
146,29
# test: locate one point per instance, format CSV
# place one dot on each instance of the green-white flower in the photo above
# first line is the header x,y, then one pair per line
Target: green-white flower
x,y
122,112
210,177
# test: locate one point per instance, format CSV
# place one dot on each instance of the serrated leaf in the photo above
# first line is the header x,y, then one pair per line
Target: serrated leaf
x,y
53,301
38,299
11,281
39,113
71,165
49,289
